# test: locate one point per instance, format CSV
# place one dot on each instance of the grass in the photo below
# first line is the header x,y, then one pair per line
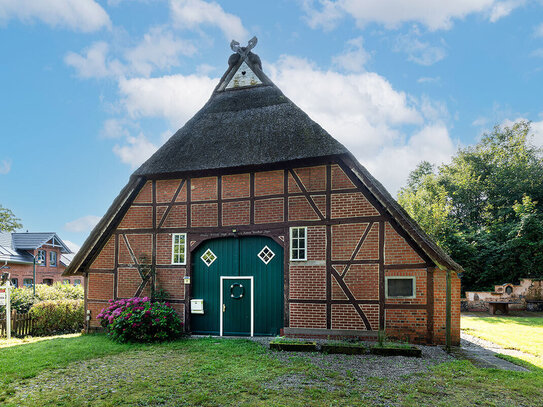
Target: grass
x,y
521,333
212,372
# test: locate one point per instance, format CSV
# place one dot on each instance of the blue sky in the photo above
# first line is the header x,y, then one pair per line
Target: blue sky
x,y
91,88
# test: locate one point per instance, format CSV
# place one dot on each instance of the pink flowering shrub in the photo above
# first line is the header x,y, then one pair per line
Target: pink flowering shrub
x,y
140,320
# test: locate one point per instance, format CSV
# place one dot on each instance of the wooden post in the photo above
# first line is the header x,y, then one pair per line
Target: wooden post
x,y
448,313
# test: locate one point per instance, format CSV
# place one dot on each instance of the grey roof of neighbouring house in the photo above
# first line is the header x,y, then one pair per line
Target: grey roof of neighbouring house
x,y
242,127
14,246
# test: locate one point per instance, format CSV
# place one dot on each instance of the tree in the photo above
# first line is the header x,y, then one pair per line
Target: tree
x,y
8,221
483,207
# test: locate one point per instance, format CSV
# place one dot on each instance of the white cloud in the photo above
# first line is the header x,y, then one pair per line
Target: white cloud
x,y
5,166
175,97
432,143
135,151
538,30
434,14
538,53
115,128
419,51
95,62
429,79
354,58
74,247
503,9
83,224
78,15
158,49
193,13
480,121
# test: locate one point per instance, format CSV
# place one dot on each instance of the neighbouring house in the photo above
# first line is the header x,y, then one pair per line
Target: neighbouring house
x,y
255,221
50,253
520,296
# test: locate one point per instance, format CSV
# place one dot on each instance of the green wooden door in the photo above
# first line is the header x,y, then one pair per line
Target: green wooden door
x,y
257,256
237,301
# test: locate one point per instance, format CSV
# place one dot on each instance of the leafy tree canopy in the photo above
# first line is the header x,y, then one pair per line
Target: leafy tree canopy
x,y
484,207
8,221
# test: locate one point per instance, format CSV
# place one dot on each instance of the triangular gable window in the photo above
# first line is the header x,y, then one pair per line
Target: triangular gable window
x,y
244,76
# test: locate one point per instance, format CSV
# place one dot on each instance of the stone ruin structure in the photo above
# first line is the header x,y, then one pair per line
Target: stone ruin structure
x,y
528,295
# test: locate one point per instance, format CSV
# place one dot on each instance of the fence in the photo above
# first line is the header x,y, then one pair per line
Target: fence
x,y
21,324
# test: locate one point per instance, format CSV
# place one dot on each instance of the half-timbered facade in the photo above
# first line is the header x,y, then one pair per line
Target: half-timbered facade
x,y
253,220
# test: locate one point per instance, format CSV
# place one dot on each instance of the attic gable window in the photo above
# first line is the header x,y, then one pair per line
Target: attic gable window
x,y
298,243
179,243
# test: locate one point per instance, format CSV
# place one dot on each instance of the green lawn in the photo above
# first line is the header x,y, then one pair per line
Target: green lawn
x,y
214,372
521,333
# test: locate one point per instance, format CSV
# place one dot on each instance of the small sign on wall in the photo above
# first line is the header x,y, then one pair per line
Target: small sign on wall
x,y
186,280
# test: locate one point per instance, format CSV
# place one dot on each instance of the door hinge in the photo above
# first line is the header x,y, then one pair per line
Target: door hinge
x,y
223,308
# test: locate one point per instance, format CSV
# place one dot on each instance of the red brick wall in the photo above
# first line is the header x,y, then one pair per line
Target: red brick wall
x,y
397,250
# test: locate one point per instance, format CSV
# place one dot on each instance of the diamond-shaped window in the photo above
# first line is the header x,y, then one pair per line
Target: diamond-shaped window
x,y
266,255
208,257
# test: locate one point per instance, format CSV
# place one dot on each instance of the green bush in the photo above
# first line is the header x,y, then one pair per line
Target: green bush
x,y
60,316
22,299
140,320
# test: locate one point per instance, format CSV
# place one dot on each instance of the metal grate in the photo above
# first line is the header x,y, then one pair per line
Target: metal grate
x,y
266,255
208,257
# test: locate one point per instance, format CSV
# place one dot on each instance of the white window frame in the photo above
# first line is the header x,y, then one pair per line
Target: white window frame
x,y
184,262
412,278
51,255
305,243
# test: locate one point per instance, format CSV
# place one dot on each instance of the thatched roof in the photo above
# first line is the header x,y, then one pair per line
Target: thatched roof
x,y
239,127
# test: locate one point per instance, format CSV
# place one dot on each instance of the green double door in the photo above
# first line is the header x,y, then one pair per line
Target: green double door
x,y
240,281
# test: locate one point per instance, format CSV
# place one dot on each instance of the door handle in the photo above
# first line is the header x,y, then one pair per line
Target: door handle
x,y
223,308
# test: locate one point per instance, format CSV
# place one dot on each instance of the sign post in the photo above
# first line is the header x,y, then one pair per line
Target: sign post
x,y
6,301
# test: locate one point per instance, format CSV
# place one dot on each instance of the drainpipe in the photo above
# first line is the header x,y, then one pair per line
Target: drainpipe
x,y
448,313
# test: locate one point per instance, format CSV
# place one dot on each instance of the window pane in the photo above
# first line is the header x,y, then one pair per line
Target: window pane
x,y
294,233
400,287
301,254
301,232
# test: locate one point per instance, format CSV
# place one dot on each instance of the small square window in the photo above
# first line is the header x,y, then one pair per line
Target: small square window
x,y
266,255
298,243
40,257
53,259
66,281
27,282
179,241
400,287
15,282
208,257
77,282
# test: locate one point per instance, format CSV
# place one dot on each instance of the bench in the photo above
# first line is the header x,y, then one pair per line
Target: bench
x,y
502,306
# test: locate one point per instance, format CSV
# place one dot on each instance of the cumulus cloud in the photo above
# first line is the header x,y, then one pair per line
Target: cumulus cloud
x,y
78,15
420,52
83,224
135,150
174,97
193,13
5,166
434,14
536,129
159,49
94,62
355,56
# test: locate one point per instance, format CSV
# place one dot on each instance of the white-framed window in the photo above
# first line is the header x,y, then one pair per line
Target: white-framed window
x,y
53,259
28,282
40,257
77,282
400,287
298,243
179,246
